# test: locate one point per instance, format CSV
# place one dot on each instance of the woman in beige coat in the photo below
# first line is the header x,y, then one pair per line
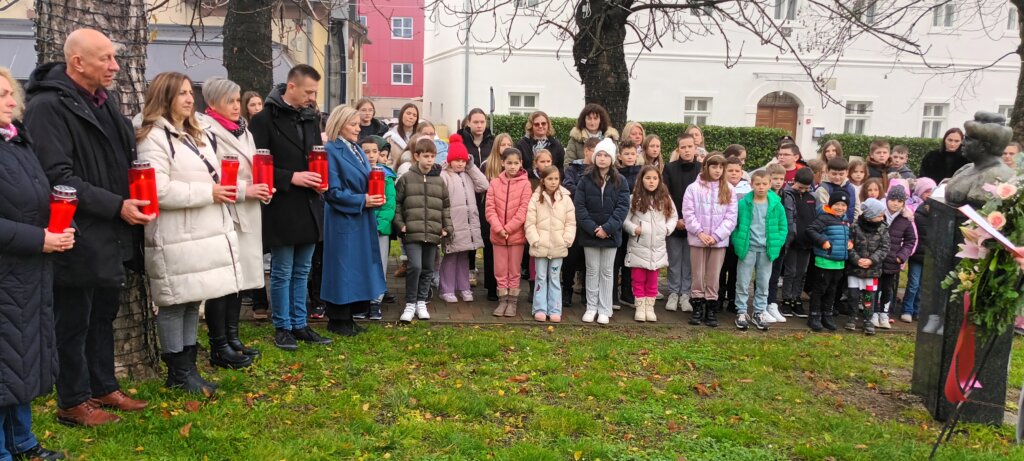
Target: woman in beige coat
x,y
550,229
191,247
230,136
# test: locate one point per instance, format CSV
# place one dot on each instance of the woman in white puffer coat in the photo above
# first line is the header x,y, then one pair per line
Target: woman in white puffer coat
x,y
652,217
191,247
550,230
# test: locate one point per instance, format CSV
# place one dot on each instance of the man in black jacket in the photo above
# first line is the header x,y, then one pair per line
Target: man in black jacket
x,y
83,141
289,126
678,176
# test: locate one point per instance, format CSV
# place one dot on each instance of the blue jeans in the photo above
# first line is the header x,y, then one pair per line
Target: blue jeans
x,y
289,272
547,296
18,436
755,261
912,297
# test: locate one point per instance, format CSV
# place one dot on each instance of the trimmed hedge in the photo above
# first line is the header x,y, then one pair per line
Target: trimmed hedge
x,y
761,143
859,145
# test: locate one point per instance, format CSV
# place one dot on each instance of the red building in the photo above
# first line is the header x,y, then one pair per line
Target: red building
x,y
392,68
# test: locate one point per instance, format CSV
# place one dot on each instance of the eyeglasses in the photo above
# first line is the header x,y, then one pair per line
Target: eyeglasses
x,y
540,123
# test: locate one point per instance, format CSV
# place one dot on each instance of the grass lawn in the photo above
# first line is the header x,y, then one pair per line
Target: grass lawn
x,y
548,393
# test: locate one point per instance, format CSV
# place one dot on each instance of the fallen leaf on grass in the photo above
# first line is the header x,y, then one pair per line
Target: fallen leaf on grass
x,y
442,374
745,381
702,390
185,430
519,378
501,393
522,391
872,386
861,446
366,407
627,437
295,366
139,449
47,434
673,426
192,406
735,419
693,366
577,456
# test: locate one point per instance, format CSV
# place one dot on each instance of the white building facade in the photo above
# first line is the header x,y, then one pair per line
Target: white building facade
x,y
688,81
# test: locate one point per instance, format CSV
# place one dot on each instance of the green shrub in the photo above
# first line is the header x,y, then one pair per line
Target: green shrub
x,y
760,142
859,145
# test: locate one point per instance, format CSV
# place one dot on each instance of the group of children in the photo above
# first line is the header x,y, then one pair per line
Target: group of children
x,y
716,228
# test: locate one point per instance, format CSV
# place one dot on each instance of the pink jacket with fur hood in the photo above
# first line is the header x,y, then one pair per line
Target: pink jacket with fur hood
x,y
703,213
507,203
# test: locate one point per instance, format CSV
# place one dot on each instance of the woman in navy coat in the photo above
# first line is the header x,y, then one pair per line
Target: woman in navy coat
x,y
352,268
28,363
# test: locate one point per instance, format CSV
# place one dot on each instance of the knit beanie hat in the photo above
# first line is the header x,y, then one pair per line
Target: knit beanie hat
x,y
606,145
456,149
838,196
923,186
872,208
896,192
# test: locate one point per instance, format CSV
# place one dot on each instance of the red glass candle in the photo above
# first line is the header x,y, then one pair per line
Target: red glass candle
x,y
229,170
318,164
263,168
142,185
63,202
376,186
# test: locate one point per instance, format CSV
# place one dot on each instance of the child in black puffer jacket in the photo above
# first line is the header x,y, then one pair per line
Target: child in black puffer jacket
x,y
870,237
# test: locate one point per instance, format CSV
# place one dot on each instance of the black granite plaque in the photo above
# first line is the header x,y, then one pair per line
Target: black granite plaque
x,y
938,325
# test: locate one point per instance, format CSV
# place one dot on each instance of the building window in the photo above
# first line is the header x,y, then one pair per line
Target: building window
x,y
522,103
857,116
696,111
705,10
865,10
396,114
401,74
785,9
1011,19
362,72
362,21
944,14
934,119
401,28
1006,111
527,3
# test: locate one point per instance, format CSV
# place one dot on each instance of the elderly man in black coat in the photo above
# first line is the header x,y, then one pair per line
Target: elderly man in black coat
x,y
83,141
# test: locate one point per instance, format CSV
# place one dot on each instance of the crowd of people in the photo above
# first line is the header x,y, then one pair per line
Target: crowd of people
x,y
601,217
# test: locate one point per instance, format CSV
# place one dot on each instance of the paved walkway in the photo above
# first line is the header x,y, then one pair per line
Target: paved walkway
x,y
479,311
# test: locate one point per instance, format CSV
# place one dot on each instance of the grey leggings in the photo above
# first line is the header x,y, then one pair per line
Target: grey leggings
x,y
420,270
176,326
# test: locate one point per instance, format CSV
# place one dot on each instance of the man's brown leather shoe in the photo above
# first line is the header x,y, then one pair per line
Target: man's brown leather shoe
x,y
120,401
85,414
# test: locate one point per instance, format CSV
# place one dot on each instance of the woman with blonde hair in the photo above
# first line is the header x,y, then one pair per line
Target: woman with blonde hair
x,y
353,273
540,134
29,361
191,247
635,132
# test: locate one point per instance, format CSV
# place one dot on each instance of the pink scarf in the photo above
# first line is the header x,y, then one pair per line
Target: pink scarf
x,y
8,132
233,127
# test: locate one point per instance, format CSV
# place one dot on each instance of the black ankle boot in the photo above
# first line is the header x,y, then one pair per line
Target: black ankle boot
x,y
224,356
181,373
191,352
697,316
814,321
176,372
827,320
711,313
231,333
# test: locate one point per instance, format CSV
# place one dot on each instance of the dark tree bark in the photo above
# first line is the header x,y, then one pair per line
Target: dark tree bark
x,y
600,57
124,22
1017,114
248,55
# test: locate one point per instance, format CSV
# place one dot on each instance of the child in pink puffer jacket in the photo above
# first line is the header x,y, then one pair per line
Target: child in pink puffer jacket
x,y
709,211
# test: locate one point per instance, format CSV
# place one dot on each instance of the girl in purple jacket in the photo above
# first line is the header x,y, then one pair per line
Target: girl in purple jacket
x,y
709,211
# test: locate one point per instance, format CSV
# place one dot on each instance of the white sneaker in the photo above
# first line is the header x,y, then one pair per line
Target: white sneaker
x,y
673,302
883,321
410,309
907,318
773,312
616,307
602,319
589,315
684,303
660,296
421,311
874,320
767,318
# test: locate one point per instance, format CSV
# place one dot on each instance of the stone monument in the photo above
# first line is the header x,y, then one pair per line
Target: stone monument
x,y
986,138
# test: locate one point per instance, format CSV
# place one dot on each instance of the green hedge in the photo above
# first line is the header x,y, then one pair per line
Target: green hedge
x,y
760,142
859,145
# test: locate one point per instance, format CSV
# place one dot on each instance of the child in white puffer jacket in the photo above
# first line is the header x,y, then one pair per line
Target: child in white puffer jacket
x,y
652,217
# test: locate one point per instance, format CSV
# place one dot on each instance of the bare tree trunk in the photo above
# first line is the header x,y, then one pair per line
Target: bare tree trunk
x,y
1017,114
124,21
600,57
248,55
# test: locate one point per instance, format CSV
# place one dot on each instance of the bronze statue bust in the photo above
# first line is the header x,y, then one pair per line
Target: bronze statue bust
x,y
985,139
